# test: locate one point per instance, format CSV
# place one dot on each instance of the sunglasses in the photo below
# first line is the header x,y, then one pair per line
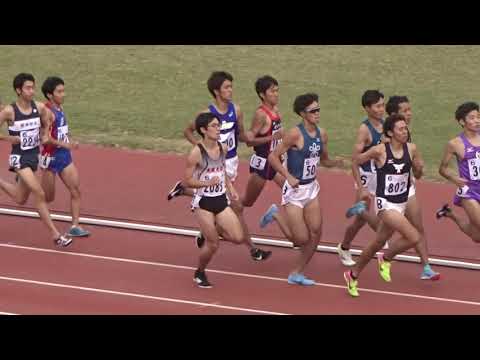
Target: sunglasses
x,y
313,111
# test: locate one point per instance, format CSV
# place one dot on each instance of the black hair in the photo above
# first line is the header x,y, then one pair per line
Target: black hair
x,y
203,120
50,84
371,97
303,101
20,79
264,83
216,80
393,104
463,110
390,122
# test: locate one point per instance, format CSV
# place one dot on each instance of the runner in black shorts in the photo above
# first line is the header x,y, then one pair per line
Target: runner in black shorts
x,y
28,124
206,172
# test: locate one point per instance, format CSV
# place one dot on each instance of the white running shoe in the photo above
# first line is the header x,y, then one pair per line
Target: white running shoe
x,y
345,256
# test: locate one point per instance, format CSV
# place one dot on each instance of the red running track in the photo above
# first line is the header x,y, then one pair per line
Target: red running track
x,y
157,278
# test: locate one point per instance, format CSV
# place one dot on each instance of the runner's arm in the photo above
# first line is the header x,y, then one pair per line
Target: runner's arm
x,y
46,117
289,140
362,140
324,158
258,122
241,129
417,161
6,114
373,153
445,171
192,160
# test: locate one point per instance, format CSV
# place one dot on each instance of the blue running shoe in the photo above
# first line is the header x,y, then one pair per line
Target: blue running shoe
x,y
429,274
267,218
78,232
300,279
356,209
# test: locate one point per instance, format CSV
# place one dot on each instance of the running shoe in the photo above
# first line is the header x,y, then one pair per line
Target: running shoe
x,y
384,268
199,240
356,209
443,211
259,254
177,190
267,218
345,256
351,283
63,241
201,279
429,274
299,279
78,232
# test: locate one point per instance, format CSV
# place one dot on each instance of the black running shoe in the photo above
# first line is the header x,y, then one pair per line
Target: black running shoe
x,y
259,254
443,211
177,190
199,240
201,279
63,241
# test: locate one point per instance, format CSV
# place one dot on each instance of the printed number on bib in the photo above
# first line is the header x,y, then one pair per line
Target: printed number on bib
x,y
257,162
62,132
14,161
363,178
29,139
45,161
396,184
310,168
230,141
462,192
275,142
381,203
214,189
474,169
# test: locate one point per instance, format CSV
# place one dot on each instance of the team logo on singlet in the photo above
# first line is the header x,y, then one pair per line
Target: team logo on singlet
x,y
398,167
314,150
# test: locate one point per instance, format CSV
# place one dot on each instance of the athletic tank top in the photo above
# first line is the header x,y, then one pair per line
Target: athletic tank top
x,y
59,130
303,163
369,166
264,150
469,166
27,127
228,128
209,168
393,178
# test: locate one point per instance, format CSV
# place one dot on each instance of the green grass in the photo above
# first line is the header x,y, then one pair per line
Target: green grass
x,y
142,96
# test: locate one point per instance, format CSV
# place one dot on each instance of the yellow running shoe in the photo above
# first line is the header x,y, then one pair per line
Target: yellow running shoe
x,y
351,283
384,268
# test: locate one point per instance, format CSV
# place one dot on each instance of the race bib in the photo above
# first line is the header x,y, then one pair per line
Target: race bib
x,y
274,143
474,169
62,134
310,168
229,140
257,162
214,190
45,161
462,192
396,184
29,139
14,161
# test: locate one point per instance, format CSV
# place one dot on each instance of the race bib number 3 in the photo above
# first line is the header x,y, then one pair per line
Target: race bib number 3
x,y
310,168
474,169
29,139
396,184
257,162
14,161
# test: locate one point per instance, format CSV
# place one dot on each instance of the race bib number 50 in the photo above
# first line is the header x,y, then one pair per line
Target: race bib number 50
x,y
310,168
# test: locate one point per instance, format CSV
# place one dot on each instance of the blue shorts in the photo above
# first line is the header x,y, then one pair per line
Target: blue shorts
x,y
56,163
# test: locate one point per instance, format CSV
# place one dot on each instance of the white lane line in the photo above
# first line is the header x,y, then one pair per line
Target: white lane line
x,y
409,295
142,296
7,313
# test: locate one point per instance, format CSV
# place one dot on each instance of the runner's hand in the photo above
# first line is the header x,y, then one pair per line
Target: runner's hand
x,y
14,140
74,145
213,181
294,182
234,194
460,182
278,135
363,194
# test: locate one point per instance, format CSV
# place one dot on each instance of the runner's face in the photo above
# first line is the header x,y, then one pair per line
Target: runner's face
x,y
28,91
213,130
271,96
377,110
312,113
405,109
59,94
226,91
400,132
472,121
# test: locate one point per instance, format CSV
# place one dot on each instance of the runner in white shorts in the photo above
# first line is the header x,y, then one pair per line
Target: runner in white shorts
x,y
306,146
395,161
